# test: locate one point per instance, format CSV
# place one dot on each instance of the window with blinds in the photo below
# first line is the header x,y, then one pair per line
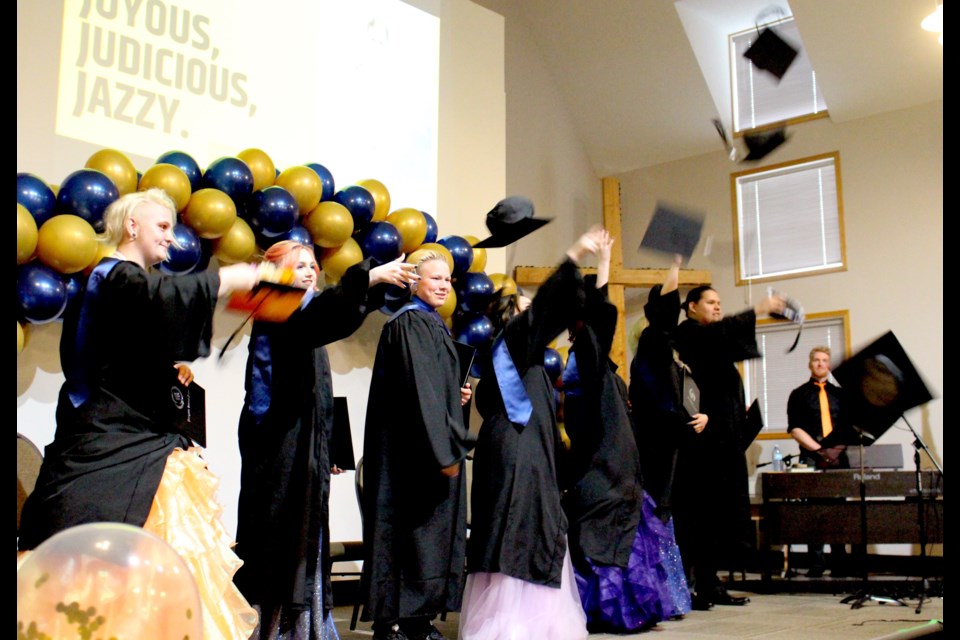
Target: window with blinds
x,y
771,379
788,219
759,98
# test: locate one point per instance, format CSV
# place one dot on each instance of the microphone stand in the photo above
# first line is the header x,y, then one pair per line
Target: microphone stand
x,y
919,444
864,595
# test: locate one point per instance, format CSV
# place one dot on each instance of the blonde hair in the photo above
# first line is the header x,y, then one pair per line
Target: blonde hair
x,y
429,256
815,350
116,215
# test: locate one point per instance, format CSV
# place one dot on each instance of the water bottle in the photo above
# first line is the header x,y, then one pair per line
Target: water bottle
x,y
777,458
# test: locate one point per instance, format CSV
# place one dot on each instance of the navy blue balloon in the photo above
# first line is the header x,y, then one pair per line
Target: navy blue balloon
x,y
230,175
87,193
326,179
273,211
76,284
36,196
475,330
474,291
461,251
553,363
300,234
186,163
41,293
381,241
186,257
359,203
432,230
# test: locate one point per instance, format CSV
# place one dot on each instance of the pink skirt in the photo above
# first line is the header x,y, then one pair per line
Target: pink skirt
x,y
500,607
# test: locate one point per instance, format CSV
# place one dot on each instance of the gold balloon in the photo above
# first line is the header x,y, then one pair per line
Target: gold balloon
x,y
106,580
503,282
210,212
449,306
412,227
66,243
304,185
171,179
20,338
479,262
103,250
335,262
381,199
236,245
118,168
564,352
261,166
330,224
26,234
414,257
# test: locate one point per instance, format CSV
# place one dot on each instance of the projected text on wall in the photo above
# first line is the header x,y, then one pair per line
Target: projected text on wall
x,y
352,85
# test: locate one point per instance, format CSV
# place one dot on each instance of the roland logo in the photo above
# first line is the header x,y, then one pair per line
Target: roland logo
x,y
867,476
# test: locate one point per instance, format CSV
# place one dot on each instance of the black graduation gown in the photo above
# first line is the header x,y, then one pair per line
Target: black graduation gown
x,y
414,517
604,503
108,455
284,436
517,525
656,398
711,492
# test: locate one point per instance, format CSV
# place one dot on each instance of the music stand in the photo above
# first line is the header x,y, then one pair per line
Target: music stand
x,y
880,384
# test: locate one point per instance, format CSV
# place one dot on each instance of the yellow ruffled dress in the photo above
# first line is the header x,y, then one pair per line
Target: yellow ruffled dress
x,y
186,514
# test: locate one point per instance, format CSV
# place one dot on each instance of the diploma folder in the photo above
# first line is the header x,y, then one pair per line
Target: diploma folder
x,y
465,354
341,438
187,409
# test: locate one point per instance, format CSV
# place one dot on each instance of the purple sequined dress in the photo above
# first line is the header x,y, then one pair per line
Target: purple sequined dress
x,y
651,588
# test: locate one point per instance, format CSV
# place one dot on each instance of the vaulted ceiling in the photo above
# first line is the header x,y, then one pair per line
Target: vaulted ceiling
x,y
644,78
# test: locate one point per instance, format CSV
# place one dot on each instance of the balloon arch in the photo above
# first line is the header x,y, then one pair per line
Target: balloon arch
x,y
233,211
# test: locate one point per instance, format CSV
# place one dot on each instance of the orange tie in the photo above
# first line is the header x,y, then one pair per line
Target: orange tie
x,y
825,422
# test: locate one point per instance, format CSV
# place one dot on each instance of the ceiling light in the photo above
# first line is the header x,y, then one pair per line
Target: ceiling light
x,y
934,21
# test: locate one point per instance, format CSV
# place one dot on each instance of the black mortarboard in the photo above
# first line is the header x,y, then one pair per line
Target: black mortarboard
x,y
761,143
673,230
511,219
771,53
880,384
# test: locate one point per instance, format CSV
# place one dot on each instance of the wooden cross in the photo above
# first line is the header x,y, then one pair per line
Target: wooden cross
x,y
620,278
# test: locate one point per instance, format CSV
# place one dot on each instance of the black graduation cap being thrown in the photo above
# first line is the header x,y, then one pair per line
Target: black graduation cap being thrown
x,y
673,230
880,384
760,144
771,53
509,221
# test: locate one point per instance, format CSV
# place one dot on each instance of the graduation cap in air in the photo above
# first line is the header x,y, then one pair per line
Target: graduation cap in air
x,y
771,53
880,384
511,219
761,143
673,230
792,311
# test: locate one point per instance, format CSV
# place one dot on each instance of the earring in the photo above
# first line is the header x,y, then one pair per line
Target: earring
x,y
133,235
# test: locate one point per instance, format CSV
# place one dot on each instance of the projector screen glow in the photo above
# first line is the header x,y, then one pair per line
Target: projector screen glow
x,y
351,85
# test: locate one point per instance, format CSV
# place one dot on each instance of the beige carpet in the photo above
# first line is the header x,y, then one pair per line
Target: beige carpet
x,y
775,617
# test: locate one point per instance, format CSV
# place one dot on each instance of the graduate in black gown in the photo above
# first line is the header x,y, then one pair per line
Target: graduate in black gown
x,y
628,571
285,428
663,425
115,434
520,579
711,501
415,444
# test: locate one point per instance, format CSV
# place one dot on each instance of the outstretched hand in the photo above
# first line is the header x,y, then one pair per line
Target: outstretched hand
x,y
397,272
588,243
